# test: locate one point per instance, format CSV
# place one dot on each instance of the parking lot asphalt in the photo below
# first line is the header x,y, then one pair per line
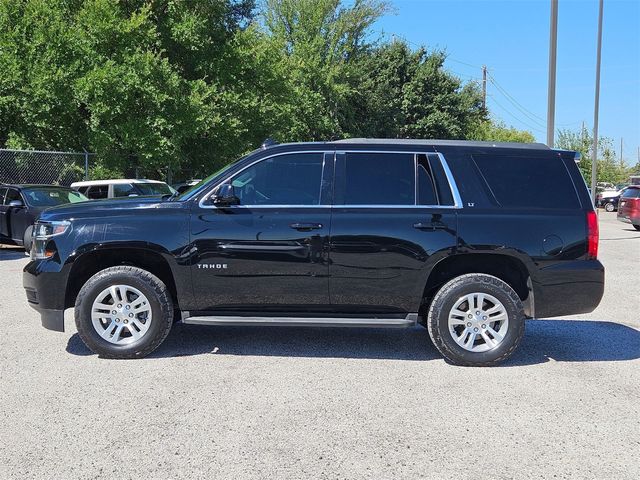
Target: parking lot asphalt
x,y
295,403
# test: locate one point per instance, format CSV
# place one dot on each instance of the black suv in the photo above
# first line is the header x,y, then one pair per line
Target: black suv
x,y
462,237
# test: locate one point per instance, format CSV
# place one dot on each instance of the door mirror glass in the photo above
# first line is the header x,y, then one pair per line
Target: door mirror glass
x,y
226,195
16,203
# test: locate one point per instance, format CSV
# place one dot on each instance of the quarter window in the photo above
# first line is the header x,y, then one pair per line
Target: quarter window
x,y
288,179
528,181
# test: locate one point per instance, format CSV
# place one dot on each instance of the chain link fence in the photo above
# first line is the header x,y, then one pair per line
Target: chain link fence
x,y
36,166
64,168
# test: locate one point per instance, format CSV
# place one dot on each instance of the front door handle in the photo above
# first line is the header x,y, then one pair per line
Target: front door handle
x,y
429,226
305,227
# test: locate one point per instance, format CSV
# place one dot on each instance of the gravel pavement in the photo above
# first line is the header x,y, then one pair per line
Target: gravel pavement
x,y
287,403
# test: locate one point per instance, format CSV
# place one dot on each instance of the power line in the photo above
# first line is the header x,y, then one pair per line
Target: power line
x,y
535,118
515,117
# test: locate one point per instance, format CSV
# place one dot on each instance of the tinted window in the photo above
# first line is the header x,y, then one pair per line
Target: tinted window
x,y
12,195
631,193
283,180
98,191
426,185
379,179
49,197
3,192
124,190
533,182
440,179
153,188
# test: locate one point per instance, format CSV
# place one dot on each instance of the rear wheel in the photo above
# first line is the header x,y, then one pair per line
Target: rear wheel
x,y
123,312
476,320
637,227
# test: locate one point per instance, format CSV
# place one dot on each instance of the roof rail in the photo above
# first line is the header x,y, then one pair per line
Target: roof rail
x,y
269,142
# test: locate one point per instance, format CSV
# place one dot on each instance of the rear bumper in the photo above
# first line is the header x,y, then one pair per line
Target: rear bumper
x,y
626,218
45,290
568,288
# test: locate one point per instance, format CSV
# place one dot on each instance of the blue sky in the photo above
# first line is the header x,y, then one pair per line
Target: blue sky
x,y
512,39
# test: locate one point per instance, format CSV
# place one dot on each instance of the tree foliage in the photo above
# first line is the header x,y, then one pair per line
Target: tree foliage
x,y
609,168
195,83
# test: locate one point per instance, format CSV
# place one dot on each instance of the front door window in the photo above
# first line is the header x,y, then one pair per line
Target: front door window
x,y
289,179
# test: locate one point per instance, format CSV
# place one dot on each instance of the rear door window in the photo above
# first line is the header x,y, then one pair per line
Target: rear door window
x,y
380,179
527,181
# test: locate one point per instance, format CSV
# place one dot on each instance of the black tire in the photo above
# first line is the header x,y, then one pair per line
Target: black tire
x,y
637,227
27,238
610,207
444,300
159,300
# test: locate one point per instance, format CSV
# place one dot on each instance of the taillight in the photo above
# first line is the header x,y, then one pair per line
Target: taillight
x,y
593,235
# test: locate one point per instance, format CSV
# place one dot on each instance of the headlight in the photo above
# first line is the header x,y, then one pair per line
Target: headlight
x,y
42,246
44,230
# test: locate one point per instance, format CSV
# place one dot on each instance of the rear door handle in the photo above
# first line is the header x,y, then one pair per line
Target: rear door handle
x,y
429,226
305,227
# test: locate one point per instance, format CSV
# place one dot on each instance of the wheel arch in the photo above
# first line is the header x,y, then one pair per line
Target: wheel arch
x,y
91,262
507,268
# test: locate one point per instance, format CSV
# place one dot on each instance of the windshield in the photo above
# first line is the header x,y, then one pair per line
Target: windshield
x,y
153,188
198,186
52,196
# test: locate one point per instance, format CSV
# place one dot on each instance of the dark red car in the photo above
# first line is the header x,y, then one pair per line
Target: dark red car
x,y
629,206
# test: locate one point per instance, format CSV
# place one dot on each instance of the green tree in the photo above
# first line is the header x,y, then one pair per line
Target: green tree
x,y
609,169
320,42
490,130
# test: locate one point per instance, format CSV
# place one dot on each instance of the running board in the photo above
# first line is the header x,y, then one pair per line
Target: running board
x,y
409,321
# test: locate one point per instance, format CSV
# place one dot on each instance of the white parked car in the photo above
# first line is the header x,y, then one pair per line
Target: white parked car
x,y
96,189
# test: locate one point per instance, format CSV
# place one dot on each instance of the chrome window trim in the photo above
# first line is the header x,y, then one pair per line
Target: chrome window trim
x,y
457,200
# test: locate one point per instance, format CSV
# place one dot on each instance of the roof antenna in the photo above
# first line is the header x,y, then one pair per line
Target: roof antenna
x,y
269,142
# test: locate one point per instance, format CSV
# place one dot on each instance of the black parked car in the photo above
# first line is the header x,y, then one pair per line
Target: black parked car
x,y
609,200
20,206
466,238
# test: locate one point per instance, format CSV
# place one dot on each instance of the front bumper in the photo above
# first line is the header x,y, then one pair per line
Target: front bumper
x,y
44,285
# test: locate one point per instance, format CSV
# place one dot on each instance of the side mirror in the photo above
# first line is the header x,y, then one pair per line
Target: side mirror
x,y
16,204
226,195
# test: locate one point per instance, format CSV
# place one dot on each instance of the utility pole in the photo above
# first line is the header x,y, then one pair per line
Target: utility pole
x,y
484,87
621,161
551,100
596,108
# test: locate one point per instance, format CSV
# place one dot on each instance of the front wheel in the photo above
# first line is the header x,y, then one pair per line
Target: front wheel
x,y
637,227
123,312
476,320
609,207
